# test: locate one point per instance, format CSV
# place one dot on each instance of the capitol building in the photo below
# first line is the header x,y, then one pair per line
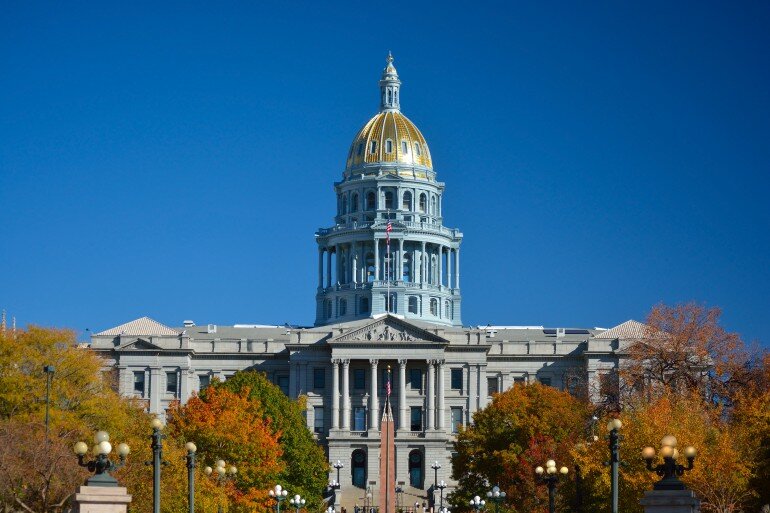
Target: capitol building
x,y
388,297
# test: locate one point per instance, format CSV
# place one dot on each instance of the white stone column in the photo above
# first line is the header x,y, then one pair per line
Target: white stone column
x,y
400,274
354,262
337,265
449,267
457,271
402,410
430,393
423,264
155,390
374,406
346,395
483,392
376,259
440,267
320,268
440,386
328,267
335,394
473,392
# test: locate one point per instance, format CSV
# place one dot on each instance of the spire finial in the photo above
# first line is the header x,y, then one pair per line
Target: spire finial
x,y
390,57
389,86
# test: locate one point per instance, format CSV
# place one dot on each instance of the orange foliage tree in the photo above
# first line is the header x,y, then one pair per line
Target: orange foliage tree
x,y
230,426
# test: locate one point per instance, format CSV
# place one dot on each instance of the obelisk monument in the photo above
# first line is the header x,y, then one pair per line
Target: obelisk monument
x,y
387,456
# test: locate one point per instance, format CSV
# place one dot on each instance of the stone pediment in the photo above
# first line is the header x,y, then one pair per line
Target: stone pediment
x,y
138,345
389,329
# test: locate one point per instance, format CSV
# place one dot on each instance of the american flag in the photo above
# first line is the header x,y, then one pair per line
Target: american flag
x,y
387,383
388,229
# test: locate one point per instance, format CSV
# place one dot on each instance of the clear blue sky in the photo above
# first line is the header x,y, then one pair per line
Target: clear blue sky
x,y
175,159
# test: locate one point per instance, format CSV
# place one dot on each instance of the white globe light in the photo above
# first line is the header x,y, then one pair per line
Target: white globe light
x,y
123,450
101,436
105,447
191,447
550,463
81,448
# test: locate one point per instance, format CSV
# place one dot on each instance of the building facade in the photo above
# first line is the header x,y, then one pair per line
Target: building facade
x,y
388,300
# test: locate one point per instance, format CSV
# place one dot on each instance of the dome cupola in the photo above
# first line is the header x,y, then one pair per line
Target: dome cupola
x,y
389,142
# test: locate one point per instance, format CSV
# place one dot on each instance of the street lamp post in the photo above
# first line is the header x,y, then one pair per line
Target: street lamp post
x,y
550,479
297,502
444,510
613,426
191,449
669,470
49,370
497,496
223,472
578,489
435,468
441,486
279,494
101,465
338,465
157,460
477,503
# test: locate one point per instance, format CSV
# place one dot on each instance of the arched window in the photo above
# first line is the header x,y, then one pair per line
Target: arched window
x,y
434,307
371,200
390,96
404,147
344,205
354,203
448,310
413,304
407,276
423,202
388,146
406,201
364,305
358,466
417,150
343,307
415,469
389,200
433,205
373,147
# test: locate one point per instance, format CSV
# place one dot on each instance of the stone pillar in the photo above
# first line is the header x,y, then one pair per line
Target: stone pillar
x,y
346,395
376,259
457,271
483,392
402,410
320,268
430,393
184,384
400,273
335,394
440,386
423,264
449,267
354,262
670,501
473,391
440,268
337,264
155,390
328,267
102,499
374,406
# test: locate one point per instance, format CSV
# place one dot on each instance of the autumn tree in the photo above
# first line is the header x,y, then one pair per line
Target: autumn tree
x,y
684,348
304,467
521,429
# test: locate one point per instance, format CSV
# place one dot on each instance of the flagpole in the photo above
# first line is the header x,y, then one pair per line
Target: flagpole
x,y
387,263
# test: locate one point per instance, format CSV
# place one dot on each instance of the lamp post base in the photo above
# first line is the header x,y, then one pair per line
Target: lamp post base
x,y
102,499
670,501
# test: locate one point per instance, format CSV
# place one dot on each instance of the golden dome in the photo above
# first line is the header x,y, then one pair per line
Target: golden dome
x,y
390,138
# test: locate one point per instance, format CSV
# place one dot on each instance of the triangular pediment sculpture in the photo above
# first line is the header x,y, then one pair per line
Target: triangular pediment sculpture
x,y
137,345
389,329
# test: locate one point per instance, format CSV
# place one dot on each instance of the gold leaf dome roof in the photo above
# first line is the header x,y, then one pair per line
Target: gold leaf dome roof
x,y
390,139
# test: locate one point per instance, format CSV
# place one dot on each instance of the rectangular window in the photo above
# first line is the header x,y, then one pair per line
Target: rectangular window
x,y
404,147
457,419
359,379
492,386
283,384
204,380
319,378
139,382
171,383
415,379
416,418
457,379
318,419
545,381
359,418
519,380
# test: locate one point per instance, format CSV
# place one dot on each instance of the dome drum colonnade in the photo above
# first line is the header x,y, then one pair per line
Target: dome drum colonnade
x,y
389,178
